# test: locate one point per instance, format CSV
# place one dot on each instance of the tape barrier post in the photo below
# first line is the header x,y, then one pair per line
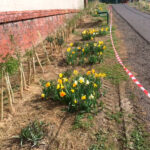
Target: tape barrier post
x,y
121,63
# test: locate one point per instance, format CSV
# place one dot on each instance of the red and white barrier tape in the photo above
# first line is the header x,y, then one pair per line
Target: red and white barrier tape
x,y
121,63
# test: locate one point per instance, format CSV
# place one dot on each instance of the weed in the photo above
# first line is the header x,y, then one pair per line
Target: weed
x,y
116,116
139,139
33,133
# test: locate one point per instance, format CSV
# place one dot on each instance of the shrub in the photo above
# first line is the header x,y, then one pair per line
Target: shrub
x,y
90,53
79,92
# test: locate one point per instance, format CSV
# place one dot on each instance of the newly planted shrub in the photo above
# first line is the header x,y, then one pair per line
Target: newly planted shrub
x,y
79,92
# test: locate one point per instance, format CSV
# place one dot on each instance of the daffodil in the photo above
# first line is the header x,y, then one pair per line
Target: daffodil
x,y
81,80
104,47
96,75
42,95
106,29
102,29
95,44
83,97
68,49
71,44
62,94
58,86
65,79
87,82
93,71
87,44
95,85
92,38
62,87
60,75
91,97
101,42
88,73
75,84
75,101
73,52
82,49
72,90
75,72
59,81
101,53
102,75
48,84
79,48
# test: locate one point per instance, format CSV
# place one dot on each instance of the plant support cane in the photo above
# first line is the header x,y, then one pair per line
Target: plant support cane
x,y
2,103
9,93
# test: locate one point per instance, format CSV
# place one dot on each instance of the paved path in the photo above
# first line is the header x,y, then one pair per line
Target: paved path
x,y
138,20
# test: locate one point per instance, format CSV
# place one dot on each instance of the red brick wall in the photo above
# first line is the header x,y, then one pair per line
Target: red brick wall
x,y
24,27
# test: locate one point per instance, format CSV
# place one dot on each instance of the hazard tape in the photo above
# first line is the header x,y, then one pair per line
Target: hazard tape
x,y
121,63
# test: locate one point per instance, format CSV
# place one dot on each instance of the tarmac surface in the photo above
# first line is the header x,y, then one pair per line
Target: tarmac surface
x,y
135,28
138,20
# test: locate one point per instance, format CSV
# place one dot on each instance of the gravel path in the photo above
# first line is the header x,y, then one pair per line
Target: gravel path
x,y
138,20
138,50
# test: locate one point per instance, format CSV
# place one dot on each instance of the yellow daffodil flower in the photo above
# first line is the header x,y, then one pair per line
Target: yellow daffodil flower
x,y
95,85
65,79
42,95
75,72
83,97
68,49
72,90
93,71
48,84
88,73
73,52
101,53
60,81
75,101
71,44
82,49
62,94
60,75
58,86
104,47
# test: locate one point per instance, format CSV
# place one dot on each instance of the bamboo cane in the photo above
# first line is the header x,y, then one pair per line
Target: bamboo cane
x,y
23,76
29,72
11,90
21,83
44,48
37,57
9,94
2,102
34,70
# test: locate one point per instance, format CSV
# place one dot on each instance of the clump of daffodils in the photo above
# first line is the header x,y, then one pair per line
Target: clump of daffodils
x,y
89,53
78,92
90,34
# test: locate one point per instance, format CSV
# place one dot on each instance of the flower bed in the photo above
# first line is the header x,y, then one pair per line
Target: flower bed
x,y
92,33
79,91
89,53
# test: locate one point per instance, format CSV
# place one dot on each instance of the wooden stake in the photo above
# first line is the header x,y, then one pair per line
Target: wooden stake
x,y
2,102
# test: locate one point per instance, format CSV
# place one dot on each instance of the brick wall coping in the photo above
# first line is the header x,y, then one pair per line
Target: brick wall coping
x,y
13,16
